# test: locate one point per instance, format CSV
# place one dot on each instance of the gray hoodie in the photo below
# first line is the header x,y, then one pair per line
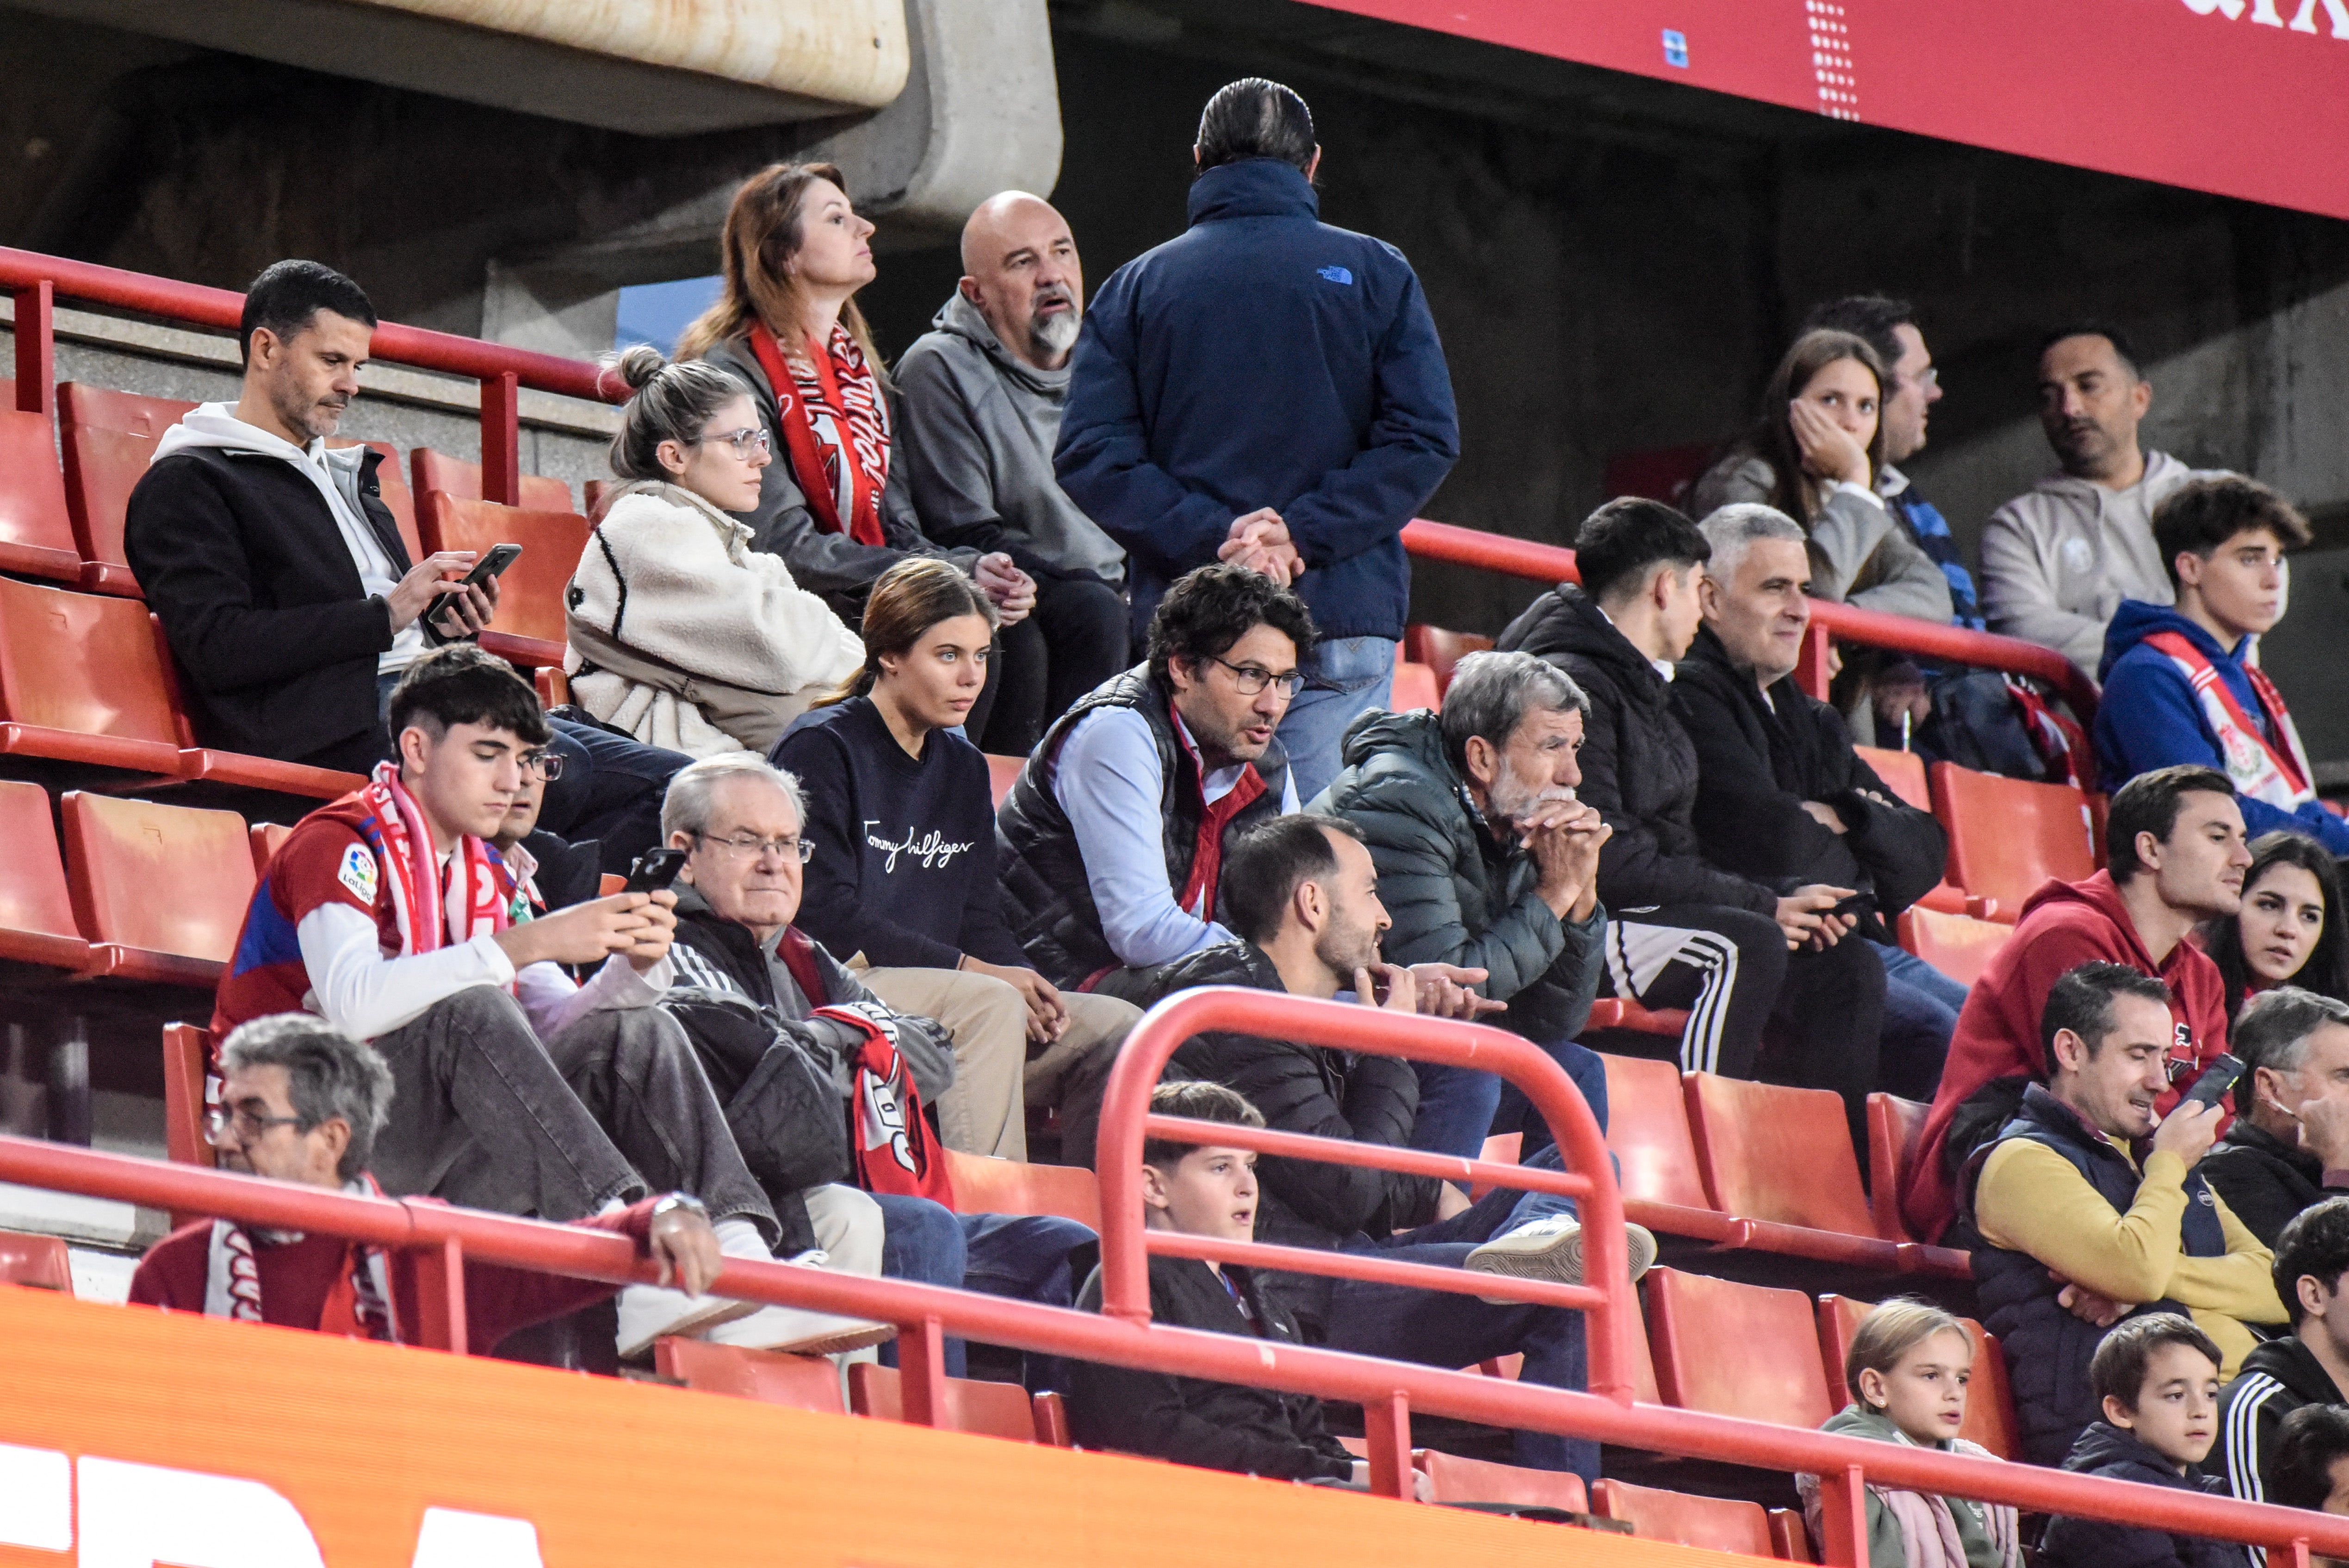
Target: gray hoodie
x,y
979,427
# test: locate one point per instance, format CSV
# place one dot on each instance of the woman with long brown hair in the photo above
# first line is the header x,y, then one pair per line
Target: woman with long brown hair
x,y
901,813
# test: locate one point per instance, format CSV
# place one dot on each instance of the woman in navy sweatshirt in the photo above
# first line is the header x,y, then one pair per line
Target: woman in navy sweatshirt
x,y
903,883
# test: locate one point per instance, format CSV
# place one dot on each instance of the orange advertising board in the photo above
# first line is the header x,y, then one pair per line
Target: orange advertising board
x,y
131,1438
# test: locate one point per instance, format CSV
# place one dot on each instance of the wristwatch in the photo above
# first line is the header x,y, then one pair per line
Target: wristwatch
x,y
677,1200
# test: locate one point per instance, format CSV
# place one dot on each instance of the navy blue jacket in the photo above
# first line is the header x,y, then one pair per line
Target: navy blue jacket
x,y
1262,358
2149,717
2108,1451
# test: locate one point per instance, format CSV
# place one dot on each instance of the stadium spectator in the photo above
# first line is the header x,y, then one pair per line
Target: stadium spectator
x,y
1267,390
1908,1371
2290,930
549,873
680,633
1781,795
2074,1223
1206,1191
794,254
2174,856
738,819
301,1102
983,394
2288,1146
284,586
2308,1366
2311,1463
1485,859
901,814
2183,685
518,1090
2155,1379
1714,942
1304,895
2058,560
1113,838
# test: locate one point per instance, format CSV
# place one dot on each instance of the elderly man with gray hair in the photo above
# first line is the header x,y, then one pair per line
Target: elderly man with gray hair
x,y
1783,800
2288,1146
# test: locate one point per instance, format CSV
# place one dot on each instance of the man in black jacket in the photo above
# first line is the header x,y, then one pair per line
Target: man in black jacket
x,y
2288,1146
1684,932
2309,1368
1781,795
1304,893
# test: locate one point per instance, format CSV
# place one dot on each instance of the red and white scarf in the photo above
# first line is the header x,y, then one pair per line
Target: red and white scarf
x,y
835,427
894,1149
476,902
2272,765
359,1304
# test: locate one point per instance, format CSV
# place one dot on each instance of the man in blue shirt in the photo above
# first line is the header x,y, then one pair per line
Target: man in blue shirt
x,y
1266,389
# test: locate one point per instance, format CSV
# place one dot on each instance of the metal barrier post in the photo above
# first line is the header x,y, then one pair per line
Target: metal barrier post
x,y
1386,1427
922,1371
37,348
501,439
1843,1518
441,1296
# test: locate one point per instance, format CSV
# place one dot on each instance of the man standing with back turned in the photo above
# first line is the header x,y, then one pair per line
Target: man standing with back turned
x,y
1267,390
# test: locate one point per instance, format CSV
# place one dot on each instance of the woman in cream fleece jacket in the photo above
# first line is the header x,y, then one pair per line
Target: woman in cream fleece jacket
x,y
680,633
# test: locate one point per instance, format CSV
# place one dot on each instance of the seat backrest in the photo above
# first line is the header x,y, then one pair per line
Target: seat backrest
x,y
107,438
530,594
983,1185
455,477
1648,1131
1990,1400
1415,687
990,1409
1717,1523
1735,1349
392,483
1452,1479
802,1382
34,517
33,896
119,853
39,1260
1894,1125
1440,650
268,837
1771,1152
1958,946
1002,773
1790,1538
2008,836
85,662
187,1057
1903,773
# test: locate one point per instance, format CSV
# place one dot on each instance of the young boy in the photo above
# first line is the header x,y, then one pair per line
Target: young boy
x,y
2157,1379
1205,1191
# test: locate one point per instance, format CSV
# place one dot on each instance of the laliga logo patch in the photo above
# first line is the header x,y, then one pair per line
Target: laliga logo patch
x,y
357,873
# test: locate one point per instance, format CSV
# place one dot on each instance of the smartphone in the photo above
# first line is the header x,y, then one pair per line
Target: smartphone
x,y
2215,1080
1855,906
494,564
654,870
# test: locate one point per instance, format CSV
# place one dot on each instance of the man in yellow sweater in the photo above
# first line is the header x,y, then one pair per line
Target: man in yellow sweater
x,y
2084,1212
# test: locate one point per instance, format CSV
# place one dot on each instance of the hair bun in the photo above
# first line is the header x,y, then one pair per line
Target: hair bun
x,y
638,365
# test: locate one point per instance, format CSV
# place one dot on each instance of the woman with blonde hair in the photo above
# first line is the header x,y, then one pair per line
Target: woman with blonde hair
x,y
680,633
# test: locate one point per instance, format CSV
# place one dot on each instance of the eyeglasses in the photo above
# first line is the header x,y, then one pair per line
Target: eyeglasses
x,y
547,765
1927,378
742,440
249,1128
1251,679
745,846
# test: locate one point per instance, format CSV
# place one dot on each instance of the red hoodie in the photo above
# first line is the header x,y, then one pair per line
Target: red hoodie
x,y
2063,926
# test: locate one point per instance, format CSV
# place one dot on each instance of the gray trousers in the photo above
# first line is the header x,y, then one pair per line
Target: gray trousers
x,y
615,1106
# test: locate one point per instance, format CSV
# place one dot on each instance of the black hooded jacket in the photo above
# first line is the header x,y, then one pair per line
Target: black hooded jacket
x,y
2265,1181
2107,1451
2276,1380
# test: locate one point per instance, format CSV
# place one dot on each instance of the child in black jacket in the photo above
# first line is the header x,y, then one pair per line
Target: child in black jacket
x,y
2158,1379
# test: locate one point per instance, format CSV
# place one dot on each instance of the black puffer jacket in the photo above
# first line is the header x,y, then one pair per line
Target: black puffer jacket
x,y
1310,1089
1455,896
1758,761
1638,766
2108,1451
2265,1181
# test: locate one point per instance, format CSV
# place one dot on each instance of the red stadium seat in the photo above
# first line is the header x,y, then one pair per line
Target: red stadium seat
x,y
397,495
1771,1152
1415,688
108,439
1716,1523
119,853
1958,946
37,537
268,837
1894,1126
983,1185
1735,1349
187,1059
554,685
1903,773
1002,773
1990,1400
1648,1131
1790,1538
1452,1479
530,627
2007,836
1660,473
40,1262
455,477
990,1409
592,494
37,916
82,680
802,1382
1621,1013
1440,650
1052,1421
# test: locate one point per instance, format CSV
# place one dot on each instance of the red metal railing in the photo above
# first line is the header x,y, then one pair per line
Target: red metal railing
x,y
1388,1391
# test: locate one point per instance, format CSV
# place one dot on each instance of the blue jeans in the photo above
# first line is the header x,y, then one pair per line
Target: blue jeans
x,y
1345,677
1024,1257
1921,1012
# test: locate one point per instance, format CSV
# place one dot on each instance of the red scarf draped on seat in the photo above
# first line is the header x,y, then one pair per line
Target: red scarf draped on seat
x,y
835,428
894,1149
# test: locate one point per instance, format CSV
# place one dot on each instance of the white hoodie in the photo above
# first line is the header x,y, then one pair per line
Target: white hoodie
x,y
334,470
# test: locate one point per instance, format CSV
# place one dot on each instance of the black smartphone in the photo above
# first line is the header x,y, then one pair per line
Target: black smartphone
x,y
654,870
494,564
2215,1080
1858,905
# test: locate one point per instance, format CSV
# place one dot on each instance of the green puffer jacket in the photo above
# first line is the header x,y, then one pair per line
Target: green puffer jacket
x,y
1456,896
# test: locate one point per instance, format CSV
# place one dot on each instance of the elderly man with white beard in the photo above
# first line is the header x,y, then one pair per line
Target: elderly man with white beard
x,y
983,392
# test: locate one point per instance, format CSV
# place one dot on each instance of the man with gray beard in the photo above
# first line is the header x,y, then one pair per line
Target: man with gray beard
x,y
983,392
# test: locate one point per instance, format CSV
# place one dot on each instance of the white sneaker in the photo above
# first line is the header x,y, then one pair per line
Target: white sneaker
x,y
650,1312
797,1331
1551,1249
